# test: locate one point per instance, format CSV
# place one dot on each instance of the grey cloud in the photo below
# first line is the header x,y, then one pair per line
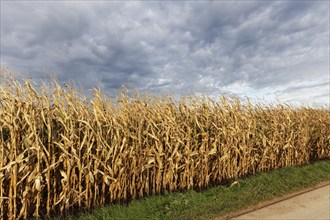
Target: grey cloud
x,y
185,47
325,95
303,87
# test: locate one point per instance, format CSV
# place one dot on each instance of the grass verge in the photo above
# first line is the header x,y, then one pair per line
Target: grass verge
x,y
219,200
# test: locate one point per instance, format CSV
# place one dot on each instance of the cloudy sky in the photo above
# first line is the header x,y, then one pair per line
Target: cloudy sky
x,y
261,49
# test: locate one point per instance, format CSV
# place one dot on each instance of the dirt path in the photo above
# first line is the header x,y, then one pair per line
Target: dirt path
x,y
314,204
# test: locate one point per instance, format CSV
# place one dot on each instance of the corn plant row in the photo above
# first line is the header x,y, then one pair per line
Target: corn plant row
x,y
61,152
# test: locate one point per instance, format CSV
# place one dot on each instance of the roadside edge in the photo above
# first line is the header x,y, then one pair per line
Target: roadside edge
x,y
267,203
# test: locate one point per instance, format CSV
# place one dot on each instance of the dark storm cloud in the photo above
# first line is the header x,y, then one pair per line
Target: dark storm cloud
x,y
244,48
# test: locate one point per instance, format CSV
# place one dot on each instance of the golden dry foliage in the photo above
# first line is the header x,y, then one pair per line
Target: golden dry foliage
x,y
60,152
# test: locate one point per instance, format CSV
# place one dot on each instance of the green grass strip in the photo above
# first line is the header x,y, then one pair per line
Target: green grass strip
x,y
219,200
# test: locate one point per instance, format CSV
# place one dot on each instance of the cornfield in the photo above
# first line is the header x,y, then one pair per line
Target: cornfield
x,y
61,152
